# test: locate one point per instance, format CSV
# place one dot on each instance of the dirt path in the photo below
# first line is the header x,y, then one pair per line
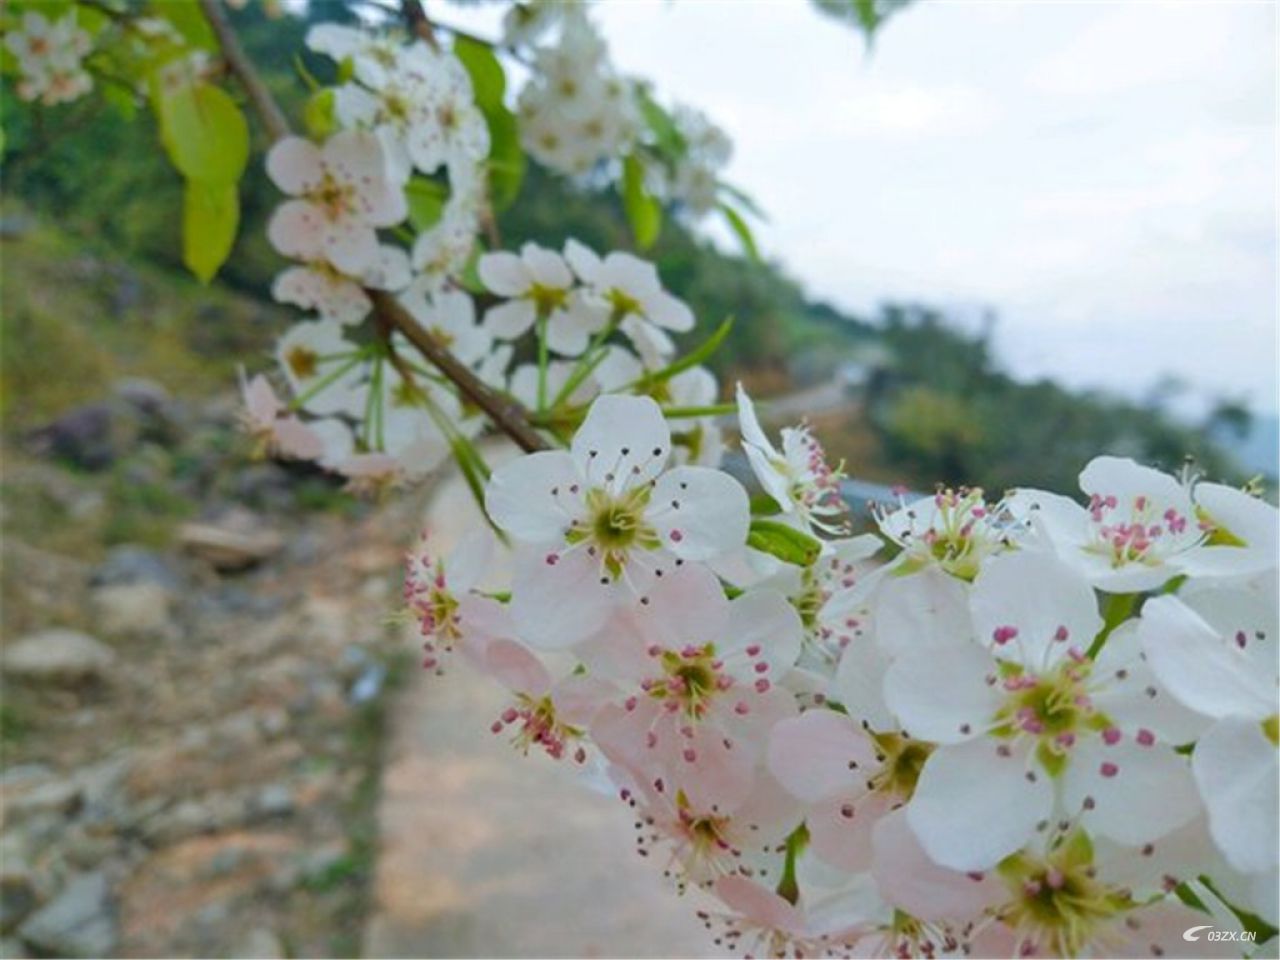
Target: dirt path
x,y
483,853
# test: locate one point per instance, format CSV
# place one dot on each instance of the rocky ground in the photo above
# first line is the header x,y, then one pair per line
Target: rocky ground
x,y
197,654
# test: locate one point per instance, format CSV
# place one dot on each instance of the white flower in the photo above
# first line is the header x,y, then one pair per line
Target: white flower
x,y
443,252
373,57
1138,524
450,316
1027,724
707,149
600,522
343,195
50,54
321,287
322,366
798,477
538,283
273,429
524,383
1215,651
1242,533
448,130
632,294
955,530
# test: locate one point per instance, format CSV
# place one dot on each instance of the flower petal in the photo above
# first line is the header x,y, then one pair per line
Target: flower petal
x,y
699,512
1235,766
531,497
943,693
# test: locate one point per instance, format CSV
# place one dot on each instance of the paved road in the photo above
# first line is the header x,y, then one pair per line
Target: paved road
x,y
484,853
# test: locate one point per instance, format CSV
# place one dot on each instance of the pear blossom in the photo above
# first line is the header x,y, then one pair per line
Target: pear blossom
x,y
955,530
798,477
438,592
1137,527
374,57
1215,651
598,523
1027,723
538,284
450,316
321,287
706,670
272,428
707,150
524,383
372,474
442,253
323,368
50,55
631,294
1242,533
342,193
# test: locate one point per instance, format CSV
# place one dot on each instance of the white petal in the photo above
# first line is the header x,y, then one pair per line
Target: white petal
x,y
1197,667
810,755
503,273
295,165
859,684
699,513
350,245
1043,599
1124,684
668,312
686,606
1126,481
557,605
509,320
531,497
296,229
1139,793
925,609
1235,767
763,617
942,693
749,423
546,268
622,442
973,807
585,262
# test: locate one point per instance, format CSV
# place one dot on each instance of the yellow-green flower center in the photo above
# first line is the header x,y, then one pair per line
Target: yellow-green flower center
x,y
615,525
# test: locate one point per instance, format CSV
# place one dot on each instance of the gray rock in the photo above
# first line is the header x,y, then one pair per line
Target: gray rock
x,y
134,610
78,922
58,657
129,563
89,437
258,944
274,800
18,892
230,549
11,948
59,795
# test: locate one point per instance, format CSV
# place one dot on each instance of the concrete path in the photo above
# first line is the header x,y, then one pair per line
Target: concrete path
x,y
484,853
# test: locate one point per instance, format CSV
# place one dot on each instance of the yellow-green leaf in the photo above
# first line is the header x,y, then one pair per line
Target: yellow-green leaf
x,y
205,133
210,215
644,213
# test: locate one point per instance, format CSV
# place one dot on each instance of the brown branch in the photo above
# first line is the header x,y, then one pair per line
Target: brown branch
x,y
504,411
507,415
416,17
238,62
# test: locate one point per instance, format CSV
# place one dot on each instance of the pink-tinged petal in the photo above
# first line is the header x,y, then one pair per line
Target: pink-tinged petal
x,y
909,880
556,605
470,560
297,229
1041,598
699,513
297,440
536,497
925,609
763,628
350,245
515,667
1132,793
503,273
761,906
841,828
859,685
687,606
1235,766
509,320
546,268
977,802
821,754
720,776
944,693
389,270
579,697
1196,666
1166,929
624,441
295,166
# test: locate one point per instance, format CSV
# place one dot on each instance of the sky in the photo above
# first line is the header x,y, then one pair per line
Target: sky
x,y
1101,175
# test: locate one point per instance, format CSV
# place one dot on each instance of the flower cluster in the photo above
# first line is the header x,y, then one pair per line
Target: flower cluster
x,y
50,57
1039,727
575,112
695,181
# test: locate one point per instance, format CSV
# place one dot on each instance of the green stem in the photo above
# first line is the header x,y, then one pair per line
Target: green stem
x,y
326,381
789,887
590,359
712,410
1118,608
543,360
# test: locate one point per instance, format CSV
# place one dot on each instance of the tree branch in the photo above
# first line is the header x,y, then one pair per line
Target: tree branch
x,y
417,19
507,415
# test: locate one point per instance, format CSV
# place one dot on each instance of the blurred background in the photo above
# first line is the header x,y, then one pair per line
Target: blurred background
x,y
1001,239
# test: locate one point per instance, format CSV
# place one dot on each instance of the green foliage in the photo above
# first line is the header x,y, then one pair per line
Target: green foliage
x,y
867,15
210,214
786,543
644,213
506,158
426,200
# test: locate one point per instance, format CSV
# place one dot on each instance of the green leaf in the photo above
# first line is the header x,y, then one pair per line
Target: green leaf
x,y
210,215
318,114
188,19
426,200
690,359
763,505
205,133
739,226
488,81
643,212
786,543
506,158
666,134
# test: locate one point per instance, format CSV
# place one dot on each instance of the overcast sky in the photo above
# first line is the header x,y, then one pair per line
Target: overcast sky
x,y
1101,174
